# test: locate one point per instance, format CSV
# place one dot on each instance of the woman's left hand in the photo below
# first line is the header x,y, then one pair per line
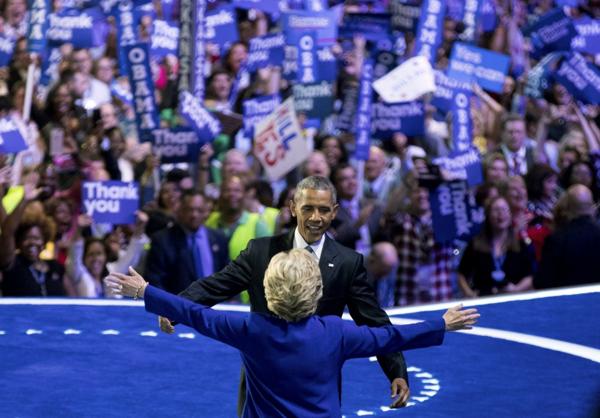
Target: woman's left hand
x,y
132,285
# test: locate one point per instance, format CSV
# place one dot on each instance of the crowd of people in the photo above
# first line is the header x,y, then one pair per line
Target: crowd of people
x,y
540,159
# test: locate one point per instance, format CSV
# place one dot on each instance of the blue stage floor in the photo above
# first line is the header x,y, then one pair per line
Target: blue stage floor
x,y
527,358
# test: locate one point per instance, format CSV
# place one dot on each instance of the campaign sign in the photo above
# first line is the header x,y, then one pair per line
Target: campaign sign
x,y
279,143
371,26
176,145
363,112
488,68
198,74
266,50
444,91
488,16
405,14
580,78
256,109
407,82
126,31
50,63
387,119
314,100
429,31
140,78
38,25
307,60
199,119
296,23
345,117
552,32
326,65
74,26
470,19
588,38
7,46
462,123
113,202
186,44
454,213
164,39
463,165
11,140
221,28
268,6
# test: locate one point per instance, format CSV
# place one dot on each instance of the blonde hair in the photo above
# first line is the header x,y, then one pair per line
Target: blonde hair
x,y
293,285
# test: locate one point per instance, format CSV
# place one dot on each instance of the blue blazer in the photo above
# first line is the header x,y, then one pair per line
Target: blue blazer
x,y
170,264
292,369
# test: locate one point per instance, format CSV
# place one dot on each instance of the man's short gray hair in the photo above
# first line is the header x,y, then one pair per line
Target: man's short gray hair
x,y
316,183
293,285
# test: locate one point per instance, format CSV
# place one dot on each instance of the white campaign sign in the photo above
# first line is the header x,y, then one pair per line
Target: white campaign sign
x,y
279,143
407,82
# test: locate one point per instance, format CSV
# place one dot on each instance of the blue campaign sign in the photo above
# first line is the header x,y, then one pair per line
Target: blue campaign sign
x,y
164,39
11,140
363,112
50,64
462,122
429,31
266,50
454,213
307,59
126,31
7,46
488,68
75,27
553,31
268,6
198,118
580,78
470,18
444,90
176,145
113,202
588,38
221,28
326,66
488,16
464,165
256,109
405,14
140,78
168,9
296,23
38,25
315,101
387,119
371,26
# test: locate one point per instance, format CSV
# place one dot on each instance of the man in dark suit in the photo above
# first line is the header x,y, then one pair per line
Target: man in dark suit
x,y
344,276
188,250
358,220
570,255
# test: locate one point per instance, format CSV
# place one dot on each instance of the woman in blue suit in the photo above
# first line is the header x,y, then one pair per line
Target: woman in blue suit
x,y
292,358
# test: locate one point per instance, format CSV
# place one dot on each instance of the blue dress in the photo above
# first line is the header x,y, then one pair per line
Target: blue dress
x,y
293,368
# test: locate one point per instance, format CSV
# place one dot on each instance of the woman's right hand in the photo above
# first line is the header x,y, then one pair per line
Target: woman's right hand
x,y
457,318
132,285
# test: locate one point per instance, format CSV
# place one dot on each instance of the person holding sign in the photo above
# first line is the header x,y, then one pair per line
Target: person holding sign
x,y
344,276
288,374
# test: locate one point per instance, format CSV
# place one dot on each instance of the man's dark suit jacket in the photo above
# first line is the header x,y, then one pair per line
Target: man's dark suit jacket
x,y
345,231
170,263
345,283
570,255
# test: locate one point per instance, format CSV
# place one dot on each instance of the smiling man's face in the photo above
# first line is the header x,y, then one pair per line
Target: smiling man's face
x,y
314,211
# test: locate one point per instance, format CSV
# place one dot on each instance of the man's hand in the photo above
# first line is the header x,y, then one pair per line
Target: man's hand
x,y
165,325
400,393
